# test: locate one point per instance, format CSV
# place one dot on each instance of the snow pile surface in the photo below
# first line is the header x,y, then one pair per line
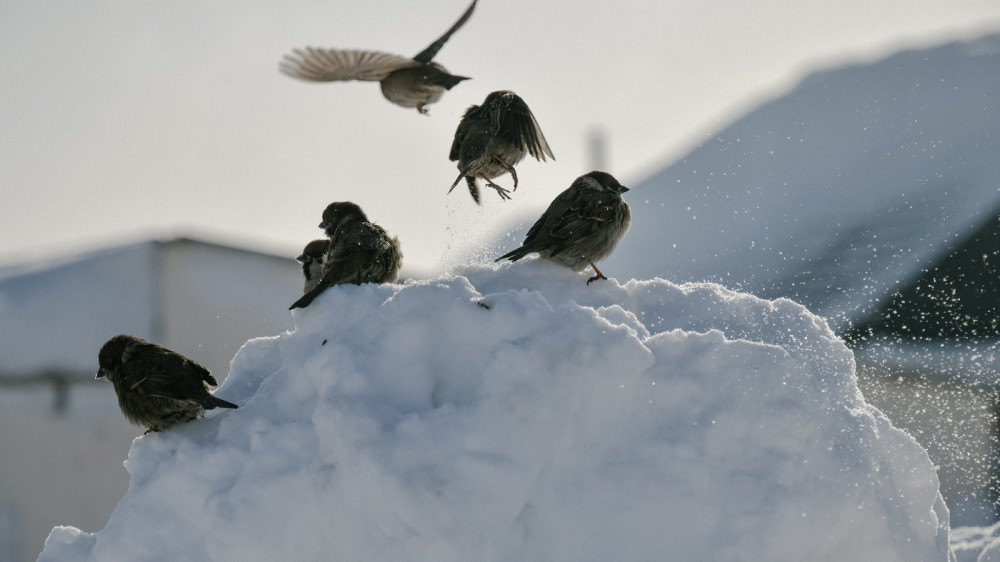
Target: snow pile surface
x,y
518,414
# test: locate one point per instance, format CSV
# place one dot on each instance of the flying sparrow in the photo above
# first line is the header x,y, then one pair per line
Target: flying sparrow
x,y
492,138
415,82
311,259
360,251
581,226
157,388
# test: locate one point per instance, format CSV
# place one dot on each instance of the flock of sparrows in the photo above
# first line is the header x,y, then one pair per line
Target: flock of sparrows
x,y
158,388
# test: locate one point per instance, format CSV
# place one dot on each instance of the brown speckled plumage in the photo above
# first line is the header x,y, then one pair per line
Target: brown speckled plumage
x,y
311,259
157,388
407,82
492,138
581,226
360,251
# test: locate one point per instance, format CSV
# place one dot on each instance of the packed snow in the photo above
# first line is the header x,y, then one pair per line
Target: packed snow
x,y
515,413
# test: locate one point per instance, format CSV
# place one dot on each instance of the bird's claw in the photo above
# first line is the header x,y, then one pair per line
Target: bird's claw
x,y
503,193
598,273
596,277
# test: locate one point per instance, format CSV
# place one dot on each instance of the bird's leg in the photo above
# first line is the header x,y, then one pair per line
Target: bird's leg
x,y
503,193
422,110
513,173
598,272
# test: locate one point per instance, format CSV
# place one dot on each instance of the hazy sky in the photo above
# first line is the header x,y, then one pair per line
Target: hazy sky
x,y
121,120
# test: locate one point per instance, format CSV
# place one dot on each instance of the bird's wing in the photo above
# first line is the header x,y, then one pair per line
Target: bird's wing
x,y
538,237
427,54
306,299
573,215
167,374
521,122
329,65
549,220
474,144
467,150
474,123
460,133
353,250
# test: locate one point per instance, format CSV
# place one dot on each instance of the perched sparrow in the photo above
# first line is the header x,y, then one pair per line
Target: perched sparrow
x,y
311,259
415,82
492,138
156,387
360,252
581,226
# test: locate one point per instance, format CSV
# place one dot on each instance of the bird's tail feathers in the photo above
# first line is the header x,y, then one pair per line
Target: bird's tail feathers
x,y
471,181
307,298
514,254
461,174
473,189
449,81
216,402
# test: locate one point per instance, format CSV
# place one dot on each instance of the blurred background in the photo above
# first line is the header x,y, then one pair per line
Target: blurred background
x,y
158,176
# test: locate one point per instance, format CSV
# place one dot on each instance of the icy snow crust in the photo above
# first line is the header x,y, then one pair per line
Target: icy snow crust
x,y
518,414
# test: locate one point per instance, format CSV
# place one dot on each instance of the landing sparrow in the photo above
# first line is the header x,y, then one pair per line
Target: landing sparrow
x,y
492,138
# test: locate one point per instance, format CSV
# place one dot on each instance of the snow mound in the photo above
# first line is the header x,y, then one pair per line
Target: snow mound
x,y
518,414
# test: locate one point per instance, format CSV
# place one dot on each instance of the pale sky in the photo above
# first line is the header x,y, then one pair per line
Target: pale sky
x,y
124,120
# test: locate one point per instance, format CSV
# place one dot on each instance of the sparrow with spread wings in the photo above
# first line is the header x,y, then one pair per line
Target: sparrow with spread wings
x,y
492,138
409,82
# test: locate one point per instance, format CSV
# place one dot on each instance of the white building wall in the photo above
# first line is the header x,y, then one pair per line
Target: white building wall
x,y
59,469
215,299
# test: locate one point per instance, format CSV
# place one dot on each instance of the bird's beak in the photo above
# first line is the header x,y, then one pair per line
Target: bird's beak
x,y
100,373
301,258
623,189
324,224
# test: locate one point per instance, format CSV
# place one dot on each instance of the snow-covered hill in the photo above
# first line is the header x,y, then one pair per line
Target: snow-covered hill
x,y
519,414
835,193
